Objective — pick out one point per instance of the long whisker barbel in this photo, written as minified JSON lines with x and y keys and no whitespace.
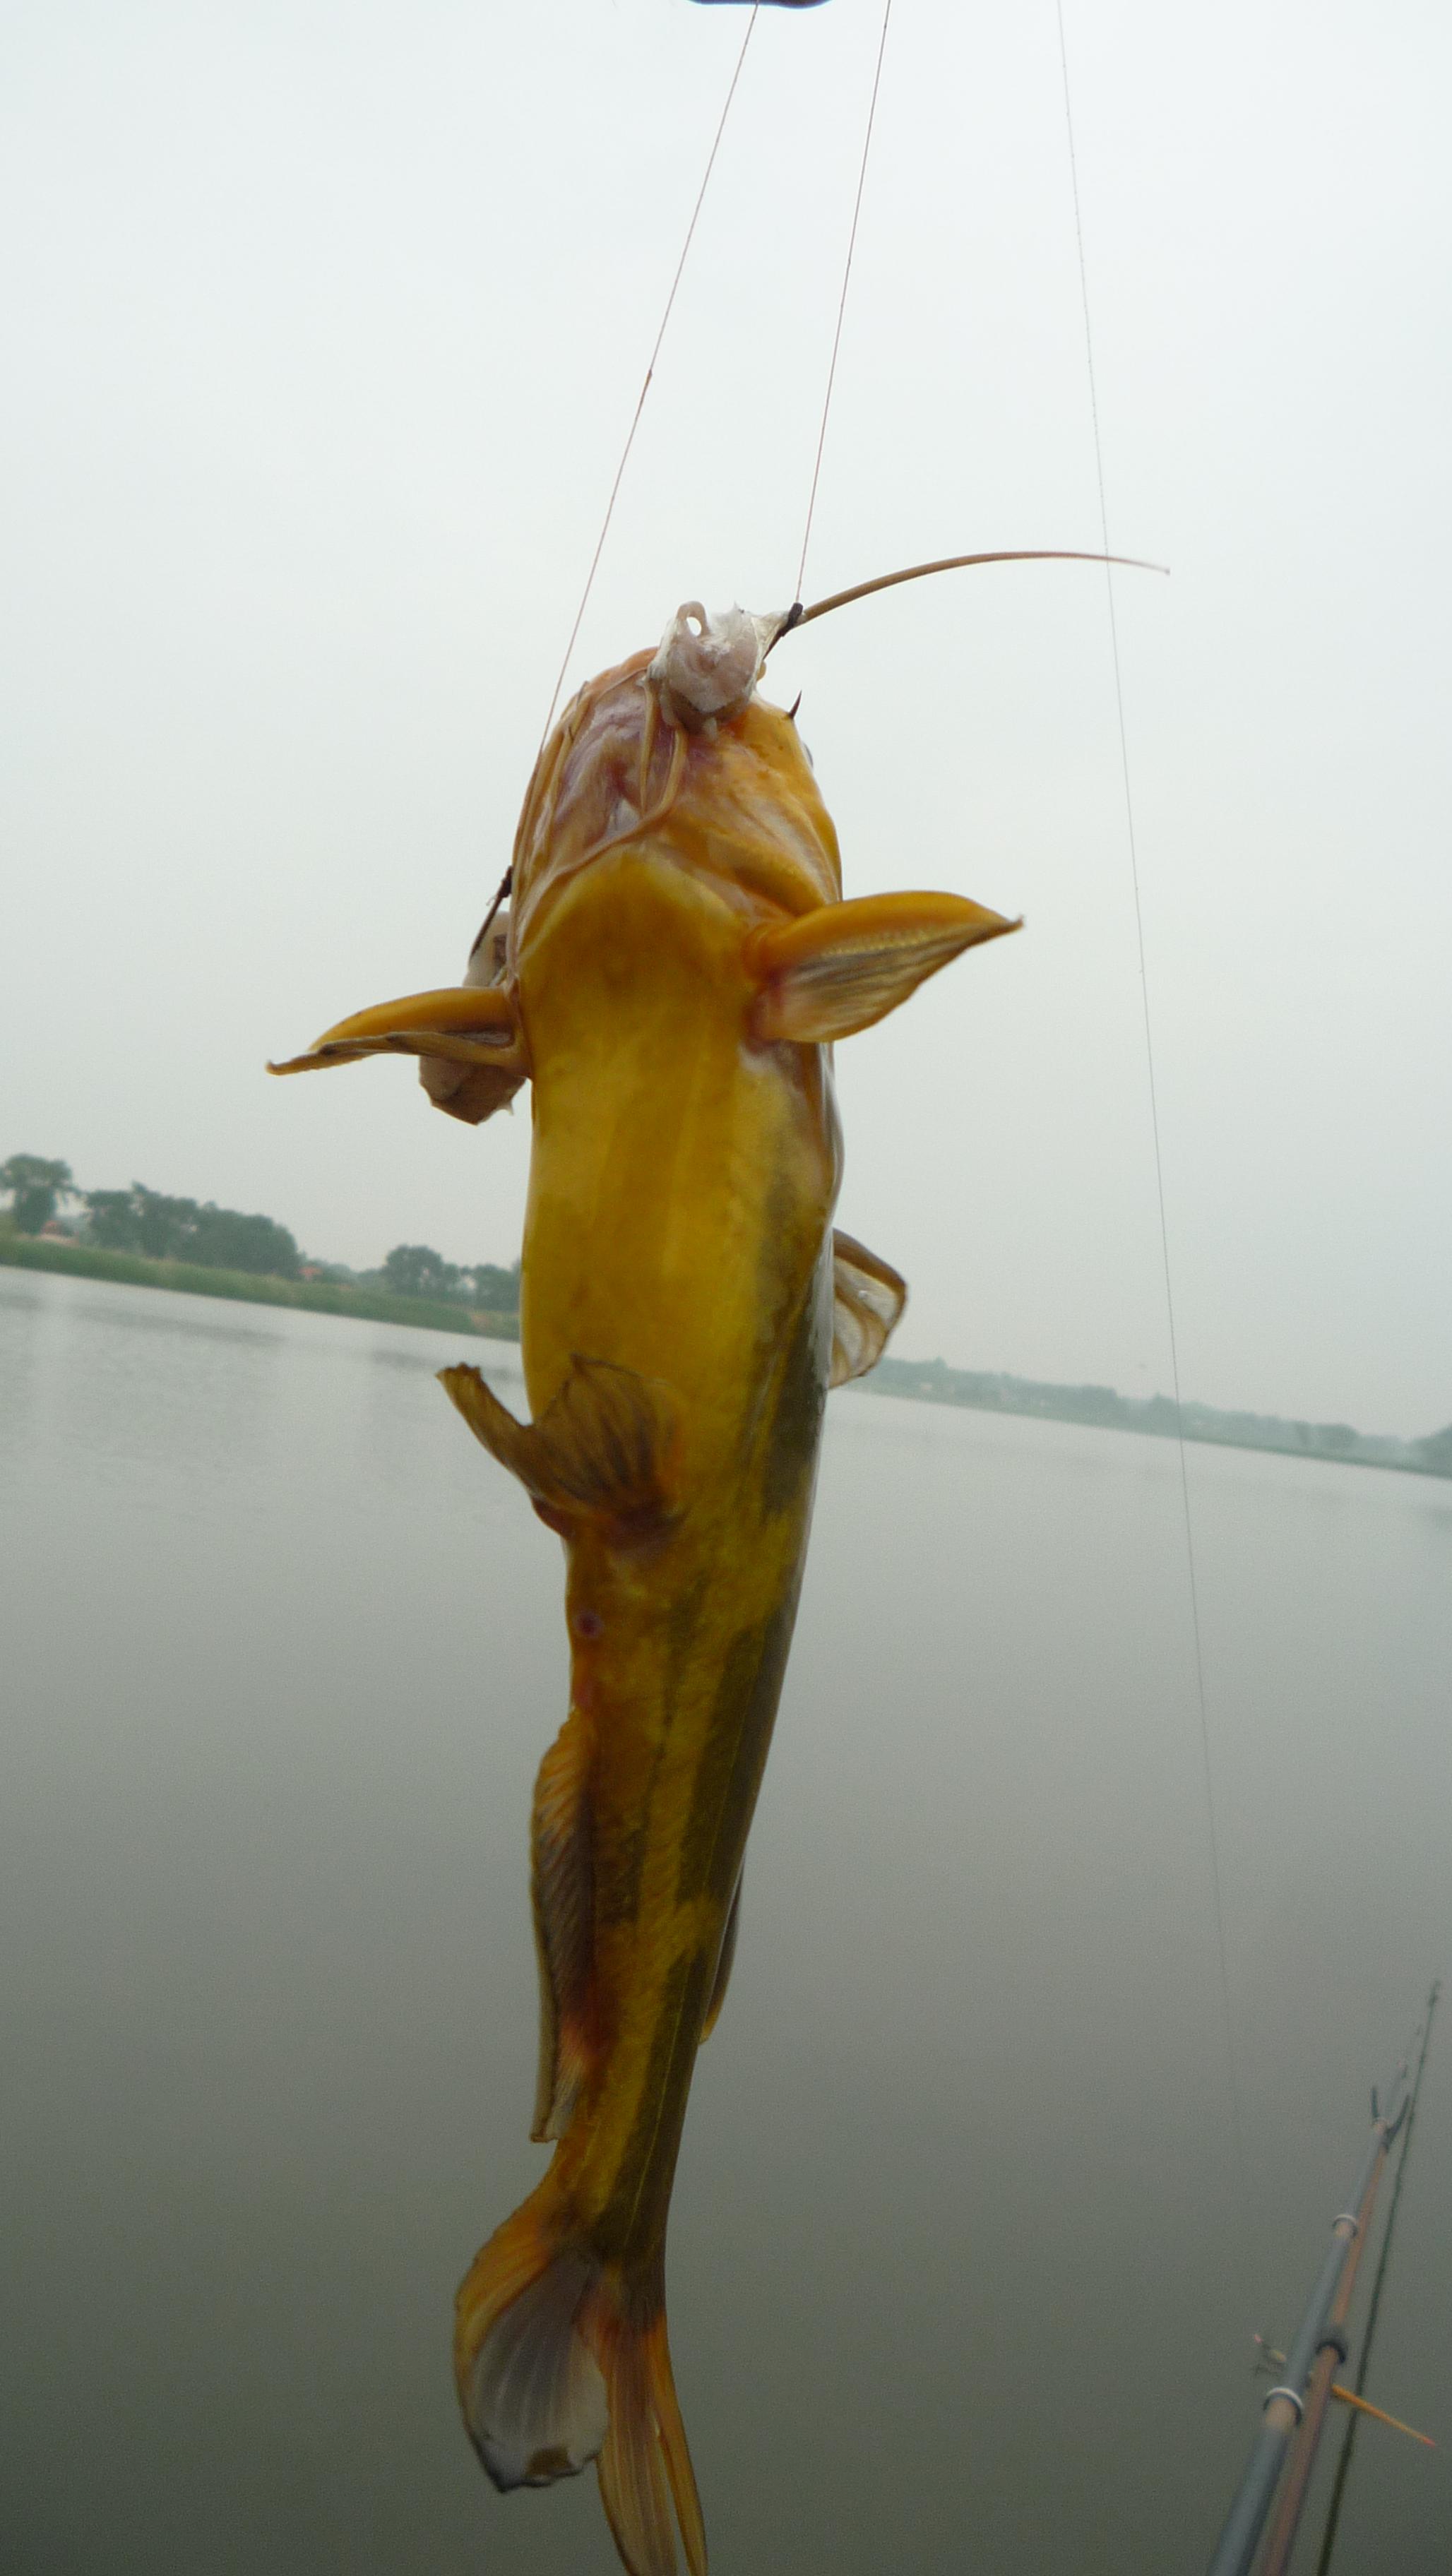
{"x":797,"y":615}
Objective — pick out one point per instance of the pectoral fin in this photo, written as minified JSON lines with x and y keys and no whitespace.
{"x":563,"y":1922}
{"x":461,"y":1024}
{"x":602,"y":1450}
{"x":837,"y":969}
{"x":472,"y":1092}
{"x":867,"y":1302}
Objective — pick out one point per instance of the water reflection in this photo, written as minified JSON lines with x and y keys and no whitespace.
{"x":962,"y":2270}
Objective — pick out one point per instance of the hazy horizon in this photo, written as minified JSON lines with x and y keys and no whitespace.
{"x":325,"y":328}
{"x":312,"y":1254}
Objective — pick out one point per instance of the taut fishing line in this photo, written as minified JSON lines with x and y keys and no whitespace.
{"x":842,"y":299}
{"x":650,"y":371}
{"x":1149,"y":1051}
{"x":841,"y":599}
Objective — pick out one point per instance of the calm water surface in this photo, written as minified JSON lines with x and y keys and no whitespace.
{"x":964,"y":2263}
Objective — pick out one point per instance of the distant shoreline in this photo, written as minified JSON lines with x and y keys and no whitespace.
{"x":314,"y":1296}
{"x":922,"y":1381}
{"x":1099,"y":1408}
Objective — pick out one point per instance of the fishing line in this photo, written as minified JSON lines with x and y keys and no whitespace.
{"x":650,"y":370}
{"x":842,"y":299}
{"x":1149,"y":1050}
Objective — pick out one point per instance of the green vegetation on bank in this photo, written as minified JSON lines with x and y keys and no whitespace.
{"x":314,"y":1296}
{"x":159,"y":1228}
{"x":36,"y":1186}
{"x":220,"y":1252}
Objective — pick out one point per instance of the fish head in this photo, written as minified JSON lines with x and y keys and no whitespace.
{"x":672,"y":758}
{"x":675,"y":754}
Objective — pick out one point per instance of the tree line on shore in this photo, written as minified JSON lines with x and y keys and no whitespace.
{"x":44,"y":1199}
{"x":1100,"y":1407}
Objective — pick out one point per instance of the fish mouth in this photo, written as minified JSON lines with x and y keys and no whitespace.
{"x":706,"y":667}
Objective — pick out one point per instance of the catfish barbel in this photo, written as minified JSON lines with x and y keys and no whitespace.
{"x":676,"y":965}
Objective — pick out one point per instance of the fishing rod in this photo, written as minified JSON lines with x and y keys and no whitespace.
{"x":1343,"y":2465}
{"x":1300,"y":2399}
{"x":1271,"y":2360}
{"x":1331,"y":2352}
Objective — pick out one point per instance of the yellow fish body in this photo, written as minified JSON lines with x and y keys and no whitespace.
{"x":677,"y":963}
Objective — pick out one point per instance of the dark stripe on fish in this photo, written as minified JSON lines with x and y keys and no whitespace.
{"x":734,"y":1756}
{"x":796,"y":1423}
{"x":618,"y":1869}
{"x":643,"y":2181}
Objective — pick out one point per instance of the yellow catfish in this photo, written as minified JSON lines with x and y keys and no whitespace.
{"x":676,"y":963}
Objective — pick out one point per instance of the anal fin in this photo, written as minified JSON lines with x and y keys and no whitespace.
{"x":562,"y":1889}
{"x":602,"y":1450}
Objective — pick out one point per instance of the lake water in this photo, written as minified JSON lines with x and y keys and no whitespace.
{"x":964,"y":2264}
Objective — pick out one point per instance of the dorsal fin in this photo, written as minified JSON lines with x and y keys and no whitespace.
{"x":867,"y":1302}
{"x":601,"y":1450}
{"x":561,"y":1885}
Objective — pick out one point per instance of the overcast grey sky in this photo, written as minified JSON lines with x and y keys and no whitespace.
{"x":323,"y":327}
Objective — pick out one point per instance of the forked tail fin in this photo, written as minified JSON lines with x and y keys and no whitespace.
{"x":561,"y":2358}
